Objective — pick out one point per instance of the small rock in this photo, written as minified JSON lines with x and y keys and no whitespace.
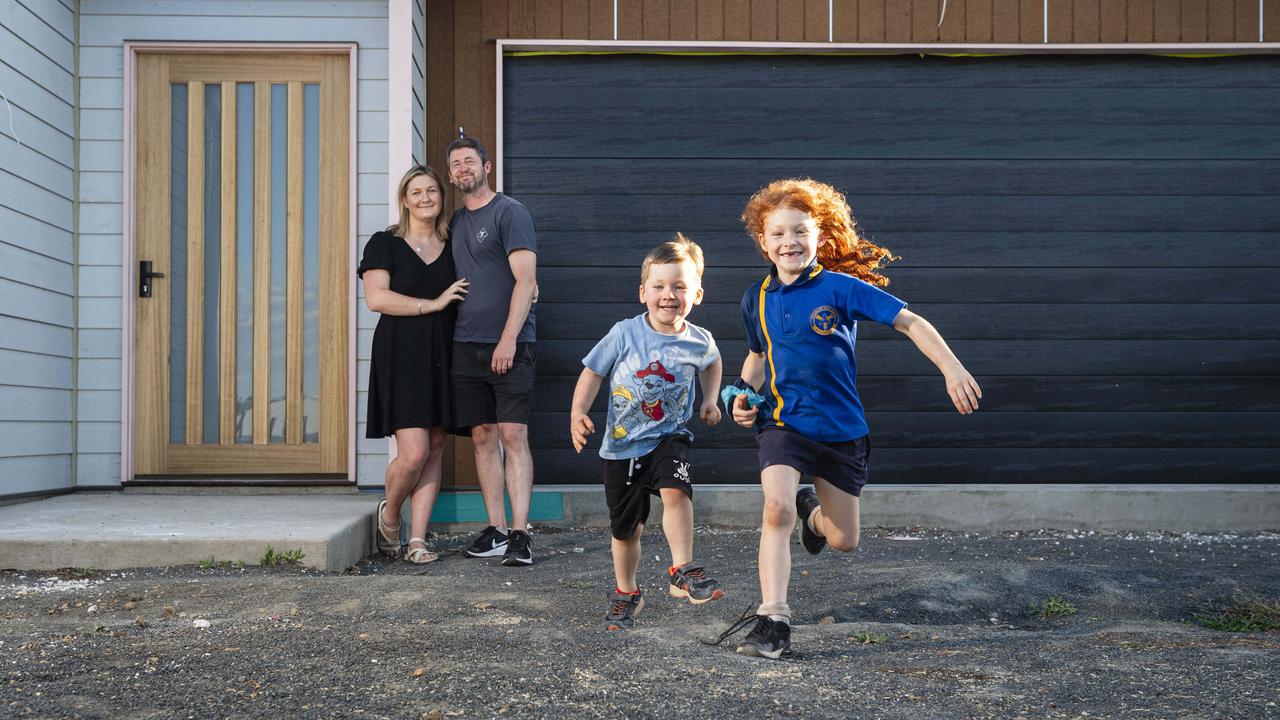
{"x":433,"y":715}
{"x":168,"y":610}
{"x":140,"y":622}
{"x":200,"y":624}
{"x":804,"y":573}
{"x":363,"y":636}
{"x":828,"y":620}
{"x":420,"y":672}
{"x":483,"y":605}
{"x":130,"y":605}
{"x":92,"y":609}
{"x":578,"y":549}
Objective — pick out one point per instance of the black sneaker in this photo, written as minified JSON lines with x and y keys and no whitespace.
{"x":806,"y":501}
{"x":623,"y":609}
{"x":492,"y":542}
{"x":519,"y":549}
{"x":689,"y":581}
{"x":768,"y":639}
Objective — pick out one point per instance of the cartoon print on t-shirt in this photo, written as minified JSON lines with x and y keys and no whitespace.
{"x":626,"y":415}
{"x":659,"y":394}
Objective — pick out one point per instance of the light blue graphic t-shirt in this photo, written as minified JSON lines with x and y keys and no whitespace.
{"x":651,"y":383}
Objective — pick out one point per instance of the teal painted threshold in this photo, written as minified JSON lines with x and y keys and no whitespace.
{"x":468,"y":507}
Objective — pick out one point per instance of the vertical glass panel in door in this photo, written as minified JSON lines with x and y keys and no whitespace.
{"x":310,"y":263}
{"x":244,"y":262}
{"x":177,"y":271}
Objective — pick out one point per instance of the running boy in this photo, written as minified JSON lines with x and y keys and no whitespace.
{"x":650,"y":361}
{"x":801,"y":323}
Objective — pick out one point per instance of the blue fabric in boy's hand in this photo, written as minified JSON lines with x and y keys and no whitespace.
{"x":731,"y":392}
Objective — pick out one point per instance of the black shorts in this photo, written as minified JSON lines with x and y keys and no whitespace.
{"x":843,"y":464}
{"x":483,"y":397}
{"x":629,"y":483}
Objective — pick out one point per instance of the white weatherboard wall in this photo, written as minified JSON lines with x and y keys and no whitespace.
{"x":37,"y":66}
{"x":104,"y":27}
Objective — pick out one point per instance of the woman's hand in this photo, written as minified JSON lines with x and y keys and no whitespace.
{"x":580,"y":427}
{"x":743,"y":413}
{"x":456,"y":292}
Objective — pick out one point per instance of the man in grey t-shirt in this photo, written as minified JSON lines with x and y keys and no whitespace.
{"x":494,"y":247}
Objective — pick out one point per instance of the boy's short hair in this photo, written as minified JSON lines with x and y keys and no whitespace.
{"x":466,"y":141}
{"x":673,"y":251}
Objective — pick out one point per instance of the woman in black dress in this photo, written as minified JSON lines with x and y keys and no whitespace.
{"x":409,"y":278}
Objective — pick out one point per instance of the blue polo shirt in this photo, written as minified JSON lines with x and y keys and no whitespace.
{"x":807,"y":331}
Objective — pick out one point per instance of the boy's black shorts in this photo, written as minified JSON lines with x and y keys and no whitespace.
{"x":629,"y":483}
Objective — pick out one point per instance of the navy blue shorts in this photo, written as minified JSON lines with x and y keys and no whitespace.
{"x":843,"y":464}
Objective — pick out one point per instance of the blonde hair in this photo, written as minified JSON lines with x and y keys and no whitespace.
{"x":841,"y":247}
{"x":678,"y":250}
{"x":442,"y":220}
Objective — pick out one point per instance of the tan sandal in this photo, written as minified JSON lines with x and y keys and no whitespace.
{"x":420,"y":555}
{"x":387,"y":538}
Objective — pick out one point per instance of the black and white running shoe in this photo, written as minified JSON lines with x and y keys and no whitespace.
{"x":623,"y":608}
{"x":806,"y":501}
{"x":491,"y":542}
{"x":768,"y":639}
{"x":690,"y":581}
{"x":519,"y":549}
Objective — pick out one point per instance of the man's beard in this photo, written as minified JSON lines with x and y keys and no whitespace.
{"x":469,"y":186}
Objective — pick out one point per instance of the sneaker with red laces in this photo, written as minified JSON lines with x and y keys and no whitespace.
{"x":691,"y":581}
{"x":623,"y":608}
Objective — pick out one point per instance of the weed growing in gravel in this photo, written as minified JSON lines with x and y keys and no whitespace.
{"x":212,"y":564}
{"x":1243,"y":613}
{"x":1051,"y":608}
{"x":281,"y":557}
{"x":866,"y":637}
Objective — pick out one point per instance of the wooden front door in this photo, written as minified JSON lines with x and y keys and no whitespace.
{"x":242,"y":205}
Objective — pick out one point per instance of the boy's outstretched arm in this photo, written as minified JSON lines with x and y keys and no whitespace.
{"x":580,"y":425}
{"x":961,"y":386}
{"x":709,"y":381}
{"x":753,"y":374}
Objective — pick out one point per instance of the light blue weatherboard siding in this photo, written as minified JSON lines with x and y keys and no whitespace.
{"x":37,"y":62}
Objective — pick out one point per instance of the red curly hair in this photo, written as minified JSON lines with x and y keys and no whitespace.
{"x":840,"y":247}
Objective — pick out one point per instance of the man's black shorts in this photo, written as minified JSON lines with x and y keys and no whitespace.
{"x":843,"y":464}
{"x":629,"y":483}
{"x":483,"y":397}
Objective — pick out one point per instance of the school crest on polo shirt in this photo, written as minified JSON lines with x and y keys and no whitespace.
{"x":823,"y":320}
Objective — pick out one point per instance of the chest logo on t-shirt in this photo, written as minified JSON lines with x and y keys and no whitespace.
{"x":824,"y":320}
{"x":482,"y":235}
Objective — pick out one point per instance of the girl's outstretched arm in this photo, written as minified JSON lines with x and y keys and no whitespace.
{"x":961,"y":386}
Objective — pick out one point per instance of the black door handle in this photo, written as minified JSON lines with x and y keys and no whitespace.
{"x":144,"y":278}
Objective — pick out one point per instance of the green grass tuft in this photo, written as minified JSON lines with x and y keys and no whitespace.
{"x":866,"y":637}
{"x":1242,"y":613}
{"x":1051,"y":608}
{"x":281,"y":557}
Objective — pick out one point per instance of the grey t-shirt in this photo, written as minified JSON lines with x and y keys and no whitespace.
{"x":651,"y":381}
{"x":481,"y":240}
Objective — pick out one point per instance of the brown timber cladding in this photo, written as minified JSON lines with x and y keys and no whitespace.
{"x":461,"y":76}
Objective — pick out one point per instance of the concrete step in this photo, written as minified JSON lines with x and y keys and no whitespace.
{"x":113,"y":530}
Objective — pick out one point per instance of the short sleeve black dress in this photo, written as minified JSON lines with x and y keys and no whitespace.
{"x":409,"y":365}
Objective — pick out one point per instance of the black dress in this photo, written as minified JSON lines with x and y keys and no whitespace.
{"x":409,"y":365}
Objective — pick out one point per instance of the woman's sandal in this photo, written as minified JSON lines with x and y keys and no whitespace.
{"x":420,"y":555}
{"x":387,"y":538}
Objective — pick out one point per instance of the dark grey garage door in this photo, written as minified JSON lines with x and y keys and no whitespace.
{"x":1096,"y":237}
